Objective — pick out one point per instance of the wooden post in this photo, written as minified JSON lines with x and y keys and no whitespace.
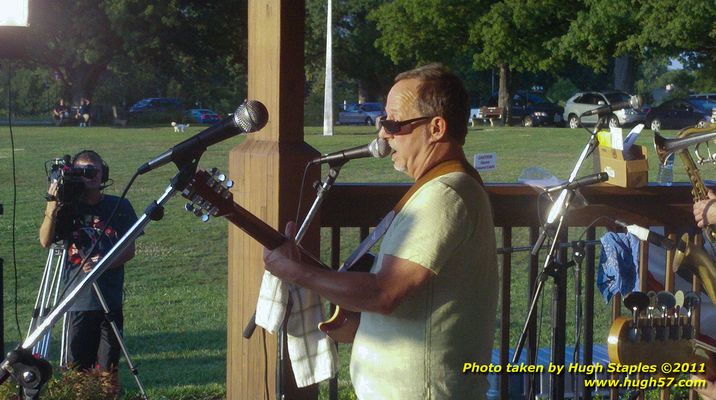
{"x":267,"y":169}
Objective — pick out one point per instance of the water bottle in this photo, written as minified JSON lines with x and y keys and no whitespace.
{"x":666,"y":171}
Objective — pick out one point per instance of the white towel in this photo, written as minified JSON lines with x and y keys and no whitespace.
{"x":313,"y":354}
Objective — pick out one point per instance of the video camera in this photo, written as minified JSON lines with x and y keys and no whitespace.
{"x":69,"y":179}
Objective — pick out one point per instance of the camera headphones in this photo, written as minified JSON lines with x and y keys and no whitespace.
{"x":93,"y":154}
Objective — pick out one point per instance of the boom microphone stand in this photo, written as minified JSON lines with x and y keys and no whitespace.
{"x":552,"y":267}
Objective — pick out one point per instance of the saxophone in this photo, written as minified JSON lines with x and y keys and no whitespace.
{"x":689,"y":255}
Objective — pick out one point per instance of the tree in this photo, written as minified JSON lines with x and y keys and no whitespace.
{"x":599,"y":37}
{"x":685,"y":28}
{"x":188,"y":46}
{"x":72,"y":38}
{"x":358,"y":66}
{"x":508,"y":35}
{"x":515,"y":35}
{"x":195,"y":49}
{"x":416,"y":32}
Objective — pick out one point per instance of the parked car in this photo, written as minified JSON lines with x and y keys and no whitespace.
{"x":364,"y":114}
{"x":585,"y":101}
{"x":157,"y":110}
{"x":156,"y":104}
{"x":680,"y":113}
{"x":202,"y":116}
{"x":705,"y":96}
{"x":531,"y":109}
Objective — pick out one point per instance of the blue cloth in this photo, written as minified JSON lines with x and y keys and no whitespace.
{"x":618,"y":265}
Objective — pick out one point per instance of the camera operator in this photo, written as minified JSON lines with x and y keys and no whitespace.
{"x":81,"y":220}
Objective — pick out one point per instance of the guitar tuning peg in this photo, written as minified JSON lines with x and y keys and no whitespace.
{"x":229,"y":184}
{"x":205,"y":217}
{"x":213,"y":171}
{"x":220,"y":177}
{"x":189,"y":207}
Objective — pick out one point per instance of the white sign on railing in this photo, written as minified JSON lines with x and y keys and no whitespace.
{"x":485,"y":161}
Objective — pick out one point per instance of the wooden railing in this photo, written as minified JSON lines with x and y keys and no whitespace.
{"x":516,"y":206}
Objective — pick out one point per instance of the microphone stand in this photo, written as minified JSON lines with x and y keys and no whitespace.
{"x":32,"y":373}
{"x":335,"y":168}
{"x":553,"y":267}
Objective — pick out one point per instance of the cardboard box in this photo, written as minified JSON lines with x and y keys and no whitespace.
{"x":630,"y":170}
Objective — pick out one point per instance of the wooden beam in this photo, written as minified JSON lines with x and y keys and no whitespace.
{"x":267,"y":168}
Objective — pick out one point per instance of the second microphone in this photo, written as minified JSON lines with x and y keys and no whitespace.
{"x":378,"y":148}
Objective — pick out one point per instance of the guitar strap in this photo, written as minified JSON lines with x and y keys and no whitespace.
{"x":443,"y":168}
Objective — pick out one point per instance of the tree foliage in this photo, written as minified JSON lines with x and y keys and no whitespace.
{"x":599,"y":33}
{"x":520,"y":34}
{"x":123,"y":50}
{"x":185,"y":46}
{"x":685,"y":28}
{"x":360,"y":70}
{"x":421,"y":31}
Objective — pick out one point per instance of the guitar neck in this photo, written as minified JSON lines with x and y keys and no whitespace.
{"x":221,"y":203}
{"x":253,"y":226}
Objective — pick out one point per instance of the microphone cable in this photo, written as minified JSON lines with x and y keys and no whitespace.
{"x":300,"y":191}
{"x":13,"y":228}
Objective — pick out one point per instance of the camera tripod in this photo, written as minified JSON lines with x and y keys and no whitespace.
{"x":47,"y":297}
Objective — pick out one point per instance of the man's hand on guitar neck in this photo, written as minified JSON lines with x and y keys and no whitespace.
{"x":284,"y":262}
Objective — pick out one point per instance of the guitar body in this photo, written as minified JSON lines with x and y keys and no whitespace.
{"x":210,"y":196}
{"x":340,"y":316}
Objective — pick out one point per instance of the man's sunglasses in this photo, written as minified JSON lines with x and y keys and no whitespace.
{"x":394,"y":127}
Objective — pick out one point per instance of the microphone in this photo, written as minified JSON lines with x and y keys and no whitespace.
{"x":249,"y":117}
{"x":378,"y":148}
{"x":579,"y":182}
{"x":645,"y":234}
{"x":633,"y":102}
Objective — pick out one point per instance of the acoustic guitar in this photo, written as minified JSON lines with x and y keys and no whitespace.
{"x":209,"y":196}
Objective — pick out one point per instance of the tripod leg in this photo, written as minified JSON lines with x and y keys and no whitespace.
{"x":50,"y":283}
{"x":118,"y":335}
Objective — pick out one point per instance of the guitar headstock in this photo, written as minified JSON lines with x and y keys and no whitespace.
{"x":208,"y":194}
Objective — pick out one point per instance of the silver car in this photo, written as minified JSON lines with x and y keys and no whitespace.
{"x":362,"y":114}
{"x":585,"y":101}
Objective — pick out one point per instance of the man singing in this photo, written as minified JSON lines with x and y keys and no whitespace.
{"x":428,"y":305}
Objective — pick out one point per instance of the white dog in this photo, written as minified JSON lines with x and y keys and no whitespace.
{"x":179,"y":127}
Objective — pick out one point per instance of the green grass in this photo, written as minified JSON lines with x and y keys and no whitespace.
{"x":175,"y":324}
